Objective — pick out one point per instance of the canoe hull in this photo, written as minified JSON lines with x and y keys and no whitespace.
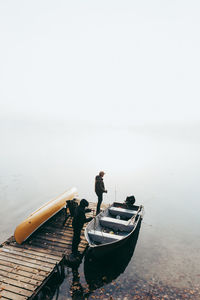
{"x":41,"y":215}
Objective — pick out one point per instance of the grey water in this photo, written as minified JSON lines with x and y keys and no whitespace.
{"x":158,"y":163}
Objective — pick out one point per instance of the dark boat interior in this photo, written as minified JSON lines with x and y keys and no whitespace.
{"x":112,"y":224}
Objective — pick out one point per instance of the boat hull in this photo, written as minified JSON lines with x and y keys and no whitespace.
{"x":99,"y":272}
{"x":107,"y":249}
{"x":98,"y":251}
{"x":41,"y":215}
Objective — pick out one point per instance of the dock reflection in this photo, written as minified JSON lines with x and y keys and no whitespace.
{"x":101,"y":272}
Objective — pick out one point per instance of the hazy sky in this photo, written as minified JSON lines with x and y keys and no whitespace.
{"x":92,"y":85}
{"x":110,"y":61}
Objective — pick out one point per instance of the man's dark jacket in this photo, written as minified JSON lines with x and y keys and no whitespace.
{"x":99,"y":185}
{"x":80,"y":218}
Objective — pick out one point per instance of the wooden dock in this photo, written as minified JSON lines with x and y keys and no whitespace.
{"x":25,"y":269}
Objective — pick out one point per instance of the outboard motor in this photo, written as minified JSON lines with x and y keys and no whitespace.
{"x":130,"y":200}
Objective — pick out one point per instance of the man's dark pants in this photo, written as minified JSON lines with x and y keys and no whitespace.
{"x":76,"y":240}
{"x":100,"y":199}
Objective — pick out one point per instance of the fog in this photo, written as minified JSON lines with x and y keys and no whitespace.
{"x":106,"y":85}
{"x":98,"y":85}
{"x":106,"y":61}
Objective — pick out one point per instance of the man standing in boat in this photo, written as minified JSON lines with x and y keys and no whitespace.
{"x":78,"y":222}
{"x":99,"y":190}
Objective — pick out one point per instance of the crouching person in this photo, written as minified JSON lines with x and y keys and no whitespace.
{"x":78,"y":222}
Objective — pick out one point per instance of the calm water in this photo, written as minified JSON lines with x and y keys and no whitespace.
{"x":158,"y":164}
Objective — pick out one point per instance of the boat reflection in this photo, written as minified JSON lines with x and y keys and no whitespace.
{"x":101,"y":272}
{"x":76,"y":289}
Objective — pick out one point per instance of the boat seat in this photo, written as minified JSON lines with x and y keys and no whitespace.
{"x":116,"y":224}
{"x":122,"y":212}
{"x":103,"y":237}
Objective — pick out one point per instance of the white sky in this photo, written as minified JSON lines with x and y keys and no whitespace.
{"x":115,"y":61}
{"x":112,"y":85}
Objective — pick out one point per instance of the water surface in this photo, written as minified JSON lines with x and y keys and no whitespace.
{"x":158,"y":164}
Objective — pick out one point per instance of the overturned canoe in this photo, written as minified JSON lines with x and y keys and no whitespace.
{"x":42,"y":214}
{"x":112,"y":228}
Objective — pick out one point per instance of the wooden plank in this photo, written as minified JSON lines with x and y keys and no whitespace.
{"x":59,"y":222}
{"x":57,"y":238}
{"x":63,"y":231}
{"x":56,"y":226}
{"x":9,"y":295}
{"x":34,"y":254}
{"x":58,"y":233}
{"x":65,"y":241}
{"x":53,"y":241}
{"x":19,"y":266}
{"x":54,"y":248}
{"x":25,"y":274}
{"x":40,"y":251}
{"x":62,"y":240}
{"x":24,"y":261}
{"x":55,"y":231}
{"x":17,"y":283}
{"x":24,"y":267}
{"x":47,"y":247}
{"x":16,"y":290}
{"x":53,"y":245}
{"x":9,"y":274}
{"x":27,"y":257}
{"x":57,"y":243}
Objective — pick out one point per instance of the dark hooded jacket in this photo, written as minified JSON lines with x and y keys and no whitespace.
{"x":99,"y":185}
{"x":79,"y":215}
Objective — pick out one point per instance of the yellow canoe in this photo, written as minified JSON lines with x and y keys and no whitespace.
{"x":42,"y":214}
